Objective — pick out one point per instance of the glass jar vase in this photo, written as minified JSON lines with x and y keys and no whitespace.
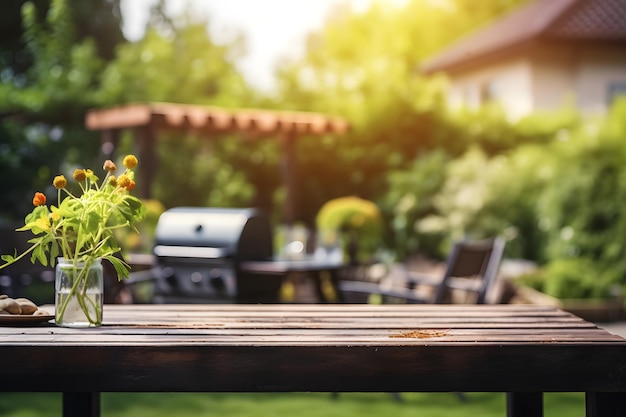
{"x":78,"y":293}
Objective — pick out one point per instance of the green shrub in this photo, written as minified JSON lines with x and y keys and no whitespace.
{"x":410,"y":199}
{"x":582,"y":208}
{"x":575,"y":278}
{"x":357,"y":219}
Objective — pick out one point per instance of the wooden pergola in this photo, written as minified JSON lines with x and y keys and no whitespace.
{"x":148,"y":120}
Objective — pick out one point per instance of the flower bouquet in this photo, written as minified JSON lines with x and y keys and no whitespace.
{"x":80,"y":233}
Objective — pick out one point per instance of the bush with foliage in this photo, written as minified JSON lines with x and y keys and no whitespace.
{"x":409,"y":203}
{"x":357,"y":220}
{"x":582,"y":208}
{"x":560,"y":203}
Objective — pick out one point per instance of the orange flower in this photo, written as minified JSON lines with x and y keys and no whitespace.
{"x":80,"y":175}
{"x":39,"y":199}
{"x":59,"y":182}
{"x":130,"y":161}
{"x":131,"y":185}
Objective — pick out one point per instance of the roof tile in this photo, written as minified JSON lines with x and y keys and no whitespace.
{"x":555,"y":19}
{"x":592,"y":19}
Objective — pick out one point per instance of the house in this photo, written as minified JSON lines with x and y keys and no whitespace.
{"x":540,"y":56}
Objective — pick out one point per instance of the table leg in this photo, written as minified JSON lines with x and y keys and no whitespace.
{"x":605,"y":404}
{"x":81,"y":404}
{"x":524,"y":404}
{"x":318,"y":279}
{"x":334,"y":281}
{"x":332,"y":278}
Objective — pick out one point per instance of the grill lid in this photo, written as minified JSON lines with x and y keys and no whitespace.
{"x":200,"y":232}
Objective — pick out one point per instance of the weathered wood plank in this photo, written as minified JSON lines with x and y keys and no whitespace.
{"x":201,"y":334}
{"x":297,"y":347}
{"x":268,"y":367}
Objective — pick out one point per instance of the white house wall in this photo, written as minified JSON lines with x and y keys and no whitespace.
{"x":543,"y":78}
{"x":509,"y":82}
{"x":599,"y":69}
{"x":554,"y":73}
{"x":579,"y":75}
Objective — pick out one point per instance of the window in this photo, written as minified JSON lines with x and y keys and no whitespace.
{"x":616,"y":90}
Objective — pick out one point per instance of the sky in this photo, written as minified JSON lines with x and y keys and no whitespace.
{"x":273,"y":28}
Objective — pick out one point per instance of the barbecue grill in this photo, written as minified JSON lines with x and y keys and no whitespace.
{"x":199,"y":251}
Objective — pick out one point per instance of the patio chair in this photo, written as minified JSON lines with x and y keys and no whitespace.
{"x":471,"y":270}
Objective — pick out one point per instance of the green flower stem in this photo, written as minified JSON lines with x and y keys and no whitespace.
{"x":23,"y":254}
{"x":80,"y":276}
{"x":82,"y":296}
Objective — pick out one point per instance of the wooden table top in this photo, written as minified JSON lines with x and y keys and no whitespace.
{"x":310,"y":347}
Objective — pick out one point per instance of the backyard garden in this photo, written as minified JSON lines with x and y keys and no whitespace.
{"x":553,"y":184}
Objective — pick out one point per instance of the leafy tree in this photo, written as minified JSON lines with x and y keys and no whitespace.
{"x":49,"y":72}
{"x":45,"y":104}
{"x":364,"y":67}
{"x":177,"y":61}
{"x":185,"y":66}
{"x":14,"y":57}
{"x":96,"y":19}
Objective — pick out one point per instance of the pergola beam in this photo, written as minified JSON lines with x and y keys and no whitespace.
{"x":147,"y":119}
{"x":205,"y":118}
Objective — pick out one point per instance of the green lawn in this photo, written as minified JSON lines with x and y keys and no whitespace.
{"x":288,"y":404}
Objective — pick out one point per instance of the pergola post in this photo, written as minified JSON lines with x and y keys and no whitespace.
{"x":289,"y":174}
{"x":146,"y":153}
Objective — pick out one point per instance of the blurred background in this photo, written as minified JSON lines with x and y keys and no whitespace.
{"x":498,"y":117}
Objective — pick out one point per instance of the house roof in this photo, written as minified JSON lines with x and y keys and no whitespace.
{"x":603,"y":20}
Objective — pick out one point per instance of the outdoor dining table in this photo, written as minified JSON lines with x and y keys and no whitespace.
{"x":523,"y":350}
{"x":315,"y":268}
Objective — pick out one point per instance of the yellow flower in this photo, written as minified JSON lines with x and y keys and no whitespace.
{"x":80,"y":175}
{"x":113,"y":181}
{"x":123,"y":181}
{"x":130,"y":161}
{"x":59,"y":182}
{"x":39,"y":199}
{"x":90,"y":175}
{"x":109,"y":165}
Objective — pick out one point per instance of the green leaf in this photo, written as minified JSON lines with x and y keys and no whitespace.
{"x":8,"y":258}
{"x":39,"y":255}
{"x":54,"y":251}
{"x":94,"y":221}
{"x":121,"y":268}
